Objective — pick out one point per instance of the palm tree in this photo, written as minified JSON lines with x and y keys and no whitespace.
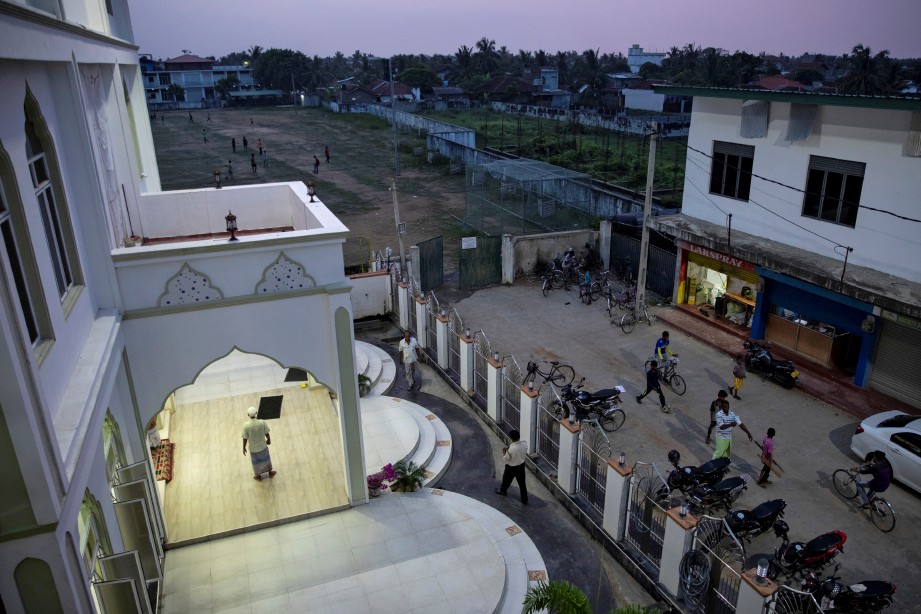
{"x":254,"y":52}
{"x":867,"y":74}
{"x":175,"y":92}
{"x":464,"y":59}
{"x":486,"y":54}
{"x":557,"y":597}
{"x":592,"y":73}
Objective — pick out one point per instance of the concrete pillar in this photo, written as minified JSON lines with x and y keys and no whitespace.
{"x":421,"y":322}
{"x":605,"y":235}
{"x":675,"y":543}
{"x":493,"y":387}
{"x":528,"y":427}
{"x":442,"y":338}
{"x":616,"y":496}
{"x":466,"y":363}
{"x":508,"y":260}
{"x":753,"y":597}
{"x":404,"y":300}
{"x":566,"y":463}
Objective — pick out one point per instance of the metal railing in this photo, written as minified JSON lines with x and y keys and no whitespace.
{"x":548,"y":427}
{"x":786,"y":600}
{"x":455,"y":331}
{"x":645,"y":516}
{"x":413,"y":293}
{"x":592,"y":468}
{"x":481,"y":354}
{"x":713,"y":537}
{"x":431,"y":326}
{"x":510,"y":403}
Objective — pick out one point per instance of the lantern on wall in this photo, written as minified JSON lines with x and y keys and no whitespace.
{"x":231,"y":220}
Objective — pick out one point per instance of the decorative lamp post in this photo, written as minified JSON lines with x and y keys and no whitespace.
{"x":311,"y":190}
{"x":622,"y":459}
{"x":217,"y":178}
{"x":231,"y":220}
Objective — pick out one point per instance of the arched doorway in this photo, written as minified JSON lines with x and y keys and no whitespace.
{"x":204,"y":481}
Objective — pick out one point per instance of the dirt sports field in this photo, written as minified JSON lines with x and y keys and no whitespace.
{"x":354,"y":184}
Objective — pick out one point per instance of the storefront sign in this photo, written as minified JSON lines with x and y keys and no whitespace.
{"x":897,"y":317}
{"x":719,"y":257}
{"x":468,"y":242}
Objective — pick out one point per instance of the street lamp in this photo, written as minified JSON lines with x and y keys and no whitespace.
{"x":311,"y":190}
{"x":231,"y":220}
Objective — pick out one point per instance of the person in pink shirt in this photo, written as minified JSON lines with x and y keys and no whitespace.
{"x":767,"y":457}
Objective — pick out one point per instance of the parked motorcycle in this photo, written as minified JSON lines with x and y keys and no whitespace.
{"x":687,"y":478}
{"x":797,"y":558}
{"x":749,"y":524}
{"x":721,"y":496}
{"x":759,"y":360}
{"x":578,"y":404}
{"x":861,"y":598}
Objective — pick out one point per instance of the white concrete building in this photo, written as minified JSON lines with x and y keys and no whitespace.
{"x":114,"y":294}
{"x":808,"y":201}
{"x":637,"y":56}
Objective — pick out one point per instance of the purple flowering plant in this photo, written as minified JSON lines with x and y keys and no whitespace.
{"x":379,"y":480}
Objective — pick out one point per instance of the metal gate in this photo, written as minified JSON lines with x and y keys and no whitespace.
{"x":718,"y":591}
{"x":645,"y":516}
{"x":481,"y":353}
{"x":592,"y":467}
{"x":480,"y":261}
{"x":431,"y":263}
{"x":548,"y":427}
{"x":413,"y":293}
{"x":660,"y":272}
{"x":432,"y":309}
{"x":510,"y":407}
{"x":455,"y":330}
{"x":892,"y":373}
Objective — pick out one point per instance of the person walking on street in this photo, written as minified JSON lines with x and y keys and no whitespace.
{"x":767,"y":458}
{"x":245,"y":144}
{"x":191,"y":121}
{"x":259,"y":146}
{"x":652,"y":383}
{"x":725,"y":422}
{"x":316,"y":165}
{"x":738,"y":375}
{"x":204,"y":134}
{"x":514,"y":456}
{"x":251,"y":122}
{"x":230,"y":169}
{"x":265,"y":158}
{"x":410,"y":352}
{"x":326,"y":150}
{"x":233,"y":144}
{"x":209,"y":118}
{"x":715,"y":407}
{"x":256,"y":434}
{"x":252,"y":162}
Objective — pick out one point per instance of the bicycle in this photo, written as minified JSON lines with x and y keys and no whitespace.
{"x":639,"y":314}
{"x":621,"y":300}
{"x":668,"y":373}
{"x":558,"y":374}
{"x":881,"y":512}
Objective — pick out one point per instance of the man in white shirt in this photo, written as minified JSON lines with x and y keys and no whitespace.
{"x":256,"y":435}
{"x":514,"y":456}
{"x":725,"y":422}
{"x":409,"y":353}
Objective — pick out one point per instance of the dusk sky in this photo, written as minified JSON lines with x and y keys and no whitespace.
{"x":217,"y":27}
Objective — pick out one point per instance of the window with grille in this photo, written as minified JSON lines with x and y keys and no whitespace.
{"x":731,"y":171}
{"x":833,"y":190}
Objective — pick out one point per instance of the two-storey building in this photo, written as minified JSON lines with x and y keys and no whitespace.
{"x":801,"y":223}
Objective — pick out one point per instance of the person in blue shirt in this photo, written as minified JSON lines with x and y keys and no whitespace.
{"x":662,"y":348}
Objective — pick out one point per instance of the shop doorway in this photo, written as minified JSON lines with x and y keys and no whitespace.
{"x":204,"y":482}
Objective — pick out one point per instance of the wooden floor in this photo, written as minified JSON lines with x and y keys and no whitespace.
{"x":213,"y":490}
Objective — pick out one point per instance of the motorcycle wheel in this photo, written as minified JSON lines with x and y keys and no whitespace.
{"x":613,"y":420}
{"x":787,"y":382}
{"x":677,"y":384}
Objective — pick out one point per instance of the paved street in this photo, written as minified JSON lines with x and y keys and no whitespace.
{"x":812,"y":439}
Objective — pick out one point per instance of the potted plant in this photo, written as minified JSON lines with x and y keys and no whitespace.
{"x":377,"y":482}
{"x":364,"y":384}
{"x":409,"y":476}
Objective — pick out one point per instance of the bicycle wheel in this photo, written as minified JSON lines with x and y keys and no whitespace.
{"x":596,"y":290}
{"x":564,"y":374}
{"x":845,"y":483}
{"x":585,"y":294}
{"x":613,"y":421}
{"x":676,"y":382}
{"x":556,"y":279}
{"x":628,"y":322}
{"x":882,"y":515}
{"x":546,"y":287}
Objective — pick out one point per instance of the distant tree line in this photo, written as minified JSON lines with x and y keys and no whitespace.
{"x":859,"y":72}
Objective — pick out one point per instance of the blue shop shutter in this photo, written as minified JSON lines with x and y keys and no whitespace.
{"x":812,"y":306}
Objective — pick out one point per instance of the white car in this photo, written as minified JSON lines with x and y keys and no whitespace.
{"x":898,"y":435}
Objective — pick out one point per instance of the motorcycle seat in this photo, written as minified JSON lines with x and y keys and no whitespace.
{"x":768,"y":509}
{"x":873,"y":588}
{"x":728,"y":485}
{"x":823,"y":544}
{"x":781,"y":364}
{"x":606,"y":393}
{"x":714,"y":466}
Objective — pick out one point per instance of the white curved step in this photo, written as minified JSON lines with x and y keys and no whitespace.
{"x":381,"y":369}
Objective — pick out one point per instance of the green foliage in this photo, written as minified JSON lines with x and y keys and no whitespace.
{"x":274,"y":68}
{"x":419,"y":76}
{"x":557,"y":597}
{"x":807,"y":76}
{"x":175,"y":92}
{"x":226,"y":85}
{"x":409,"y":476}
{"x":868,"y":74}
{"x":364,"y":384}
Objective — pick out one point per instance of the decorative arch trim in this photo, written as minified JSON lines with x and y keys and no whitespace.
{"x":284,"y":275}
{"x":189,"y":287}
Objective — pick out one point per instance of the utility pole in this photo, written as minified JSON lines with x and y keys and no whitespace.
{"x":393,"y":116}
{"x":647,"y":211}
{"x":396,"y":217}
